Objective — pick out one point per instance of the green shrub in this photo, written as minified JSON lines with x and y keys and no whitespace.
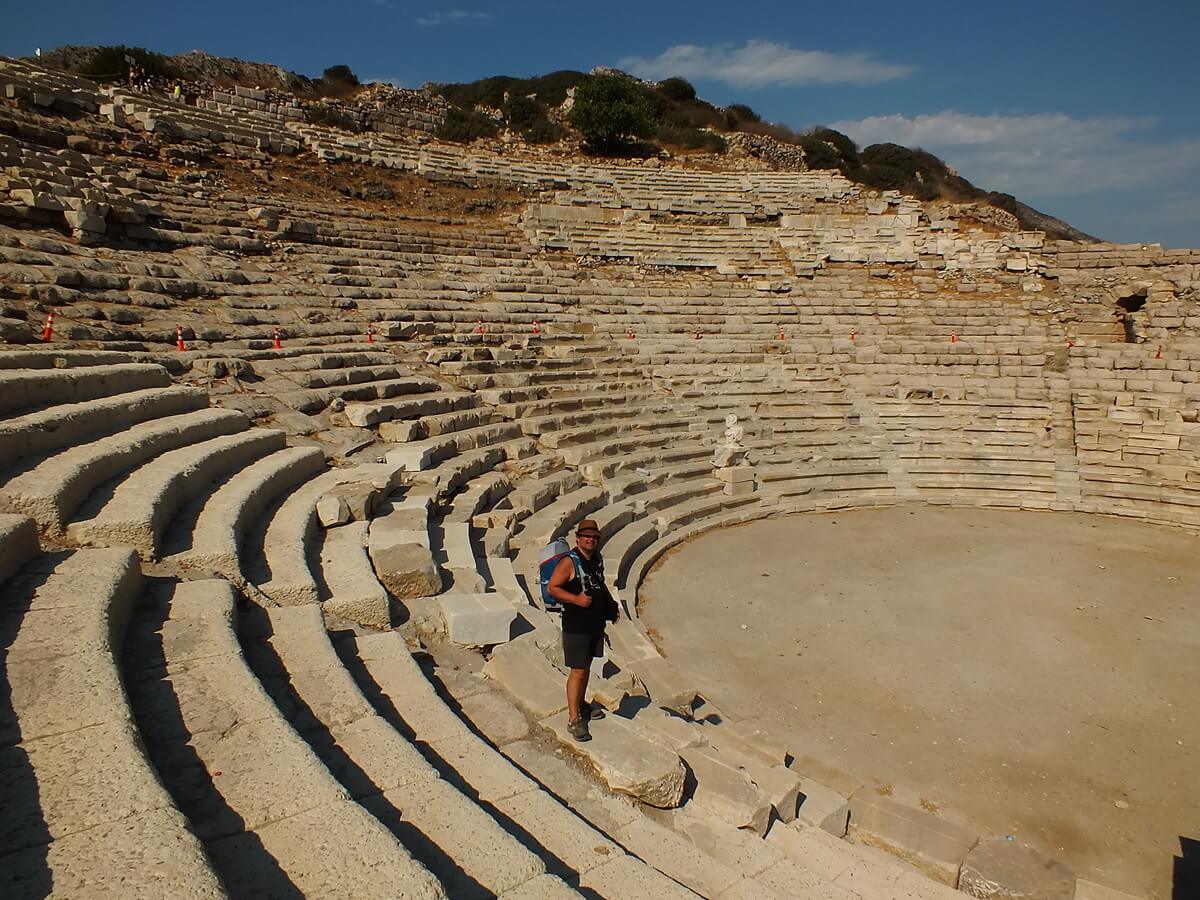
{"x":677,"y":90}
{"x":465,"y":125}
{"x":611,"y":109}
{"x":691,"y":138}
{"x":739,"y":113}
{"x":342,"y":74}
{"x":331,"y":117}
{"x":550,"y":90}
{"x":543,"y":131}
{"x":522,"y":112}
{"x":109,"y":63}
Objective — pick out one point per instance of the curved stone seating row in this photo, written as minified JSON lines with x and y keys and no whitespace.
{"x":162,"y":115}
{"x":45,"y":87}
{"x":84,"y":809}
{"x":254,"y":792}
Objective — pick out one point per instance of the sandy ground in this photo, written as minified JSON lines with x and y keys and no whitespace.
{"x":1033,"y":674}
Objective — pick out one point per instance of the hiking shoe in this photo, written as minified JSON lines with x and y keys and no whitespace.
{"x":579,"y":730}
{"x":587,"y":712}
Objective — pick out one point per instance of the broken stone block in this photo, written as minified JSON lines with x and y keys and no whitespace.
{"x":402,"y":431}
{"x":629,"y":762}
{"x":360,"y":497}
{"x":528,"y":676}
{"x":478,"y":620}
{"x":998,"y":869}
{"x":664,"y":683}
{"x":932,"y":844}
{"x":407,"y":570}
{"x":781,"y":786}
{"x":332,"y":511}
{"x":726,"y":791}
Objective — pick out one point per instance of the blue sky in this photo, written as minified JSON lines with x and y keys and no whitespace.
{"x":1086,"y":110}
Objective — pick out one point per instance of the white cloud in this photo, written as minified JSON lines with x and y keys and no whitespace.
{"x":762,"y":63}
{"x":453,"y":17}
{"x":1047,"y":154}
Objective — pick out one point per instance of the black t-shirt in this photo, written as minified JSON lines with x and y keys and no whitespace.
{"x":589,"y":619}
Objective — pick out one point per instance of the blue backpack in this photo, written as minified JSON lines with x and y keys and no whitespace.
{"x":548,"y":559}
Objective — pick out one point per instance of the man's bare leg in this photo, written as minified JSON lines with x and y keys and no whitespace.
{"x":577,"y":683}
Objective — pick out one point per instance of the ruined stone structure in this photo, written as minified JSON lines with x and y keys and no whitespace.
{"x":264,"y":429}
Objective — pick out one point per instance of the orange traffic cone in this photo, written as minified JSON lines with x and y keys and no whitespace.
{"x":537,"y":329}
{"x":48,"y":331}
{"x":629,"y":332}
{"x":370,"y":332}
{"x":276,"y":340}
{"x":1158,"y":355}
{"x":954,"y":337}
{"x":479,"y":327}
{"x":854,"y":334}
{"x":781,"y":332}
{"x":179,"y":338}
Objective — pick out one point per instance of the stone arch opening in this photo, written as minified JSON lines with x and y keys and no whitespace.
{"x":1129,"y":307}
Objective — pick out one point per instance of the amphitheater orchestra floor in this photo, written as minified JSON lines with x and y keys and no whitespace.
{"x":1034,"y":674}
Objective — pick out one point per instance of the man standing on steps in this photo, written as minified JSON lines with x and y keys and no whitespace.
{"x":578,"y":583}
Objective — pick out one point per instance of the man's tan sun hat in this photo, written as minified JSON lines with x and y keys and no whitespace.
{"x":589,"y":527}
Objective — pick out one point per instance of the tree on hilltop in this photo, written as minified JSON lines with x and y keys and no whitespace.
{"x":609,"y":110}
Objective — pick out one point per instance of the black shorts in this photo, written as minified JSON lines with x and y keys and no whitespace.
{"x":580,"y":649}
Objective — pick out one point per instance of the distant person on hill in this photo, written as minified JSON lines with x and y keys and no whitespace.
{"x":578,"y":584}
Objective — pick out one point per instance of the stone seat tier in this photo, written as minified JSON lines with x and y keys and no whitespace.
{"x":555,"y":520}
{"x":450,"y":476}
{"x":23,"y":390}
{"x":571,"y":847}
{"x":138,"y":508}
{"x":385,"y":771}
{"x":253,"y":791}
{"x":84,"y":809}
{"x":360,"y":394}
{"x":353,"y":591}
{"x":54,"y":489}
{"x":51,"y":429}
{"x":511,"y":401}
{"x":230,"y":512}
{"x":417,"y":455}
{"x":281,"y":570}
{"x":427,"y":400}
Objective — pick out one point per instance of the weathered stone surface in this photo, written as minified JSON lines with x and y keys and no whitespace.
{"x":629,"y":762}
{"x":726,"y":791}
{"x":524,"y":671}
{"x":406,"y":570}
{"x":930,"y":843}
{"x":998,"y":869}
{"x":478,"y":620}
{"x":332,"y":511}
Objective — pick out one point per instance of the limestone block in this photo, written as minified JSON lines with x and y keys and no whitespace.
{"x":930,"y":843}
{"x":402,"y":431}
{"x":726,"y":791}
{"x":361,"y":499}
{"x":412,"y":459}
{"x":628,"y":762}
{"x":525,"y":673}
{"x":998,"y":869}
{"x":823,"y":807}
{"x":734,"y":474}
{"x":665,"y":684}
{"x":332,"y":511}
{"x":478,"y":620}
{"x":781,"y":786}
{"x":674,"y":731}
{"x":407,"y":570}
{"x":18,"y":543}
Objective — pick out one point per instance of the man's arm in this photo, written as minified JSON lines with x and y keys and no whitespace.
{"x":564,"y":572}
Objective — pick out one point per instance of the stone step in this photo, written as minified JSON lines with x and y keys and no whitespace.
{"x":431,"y":402}
{"x":235,"y":508}
{"x":54,"y":489}
{"x":142,"y":504}
{"x":23,"y":390}
{"x":84,"y":809}
{"x":18,"y":543}
{"x":76,"y":423}
{"x":283,"y":572}
{"x":383,"y":769}
{"x":354,"y":590}
{"x":252,"y":789}
{"x":555,"y":520}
